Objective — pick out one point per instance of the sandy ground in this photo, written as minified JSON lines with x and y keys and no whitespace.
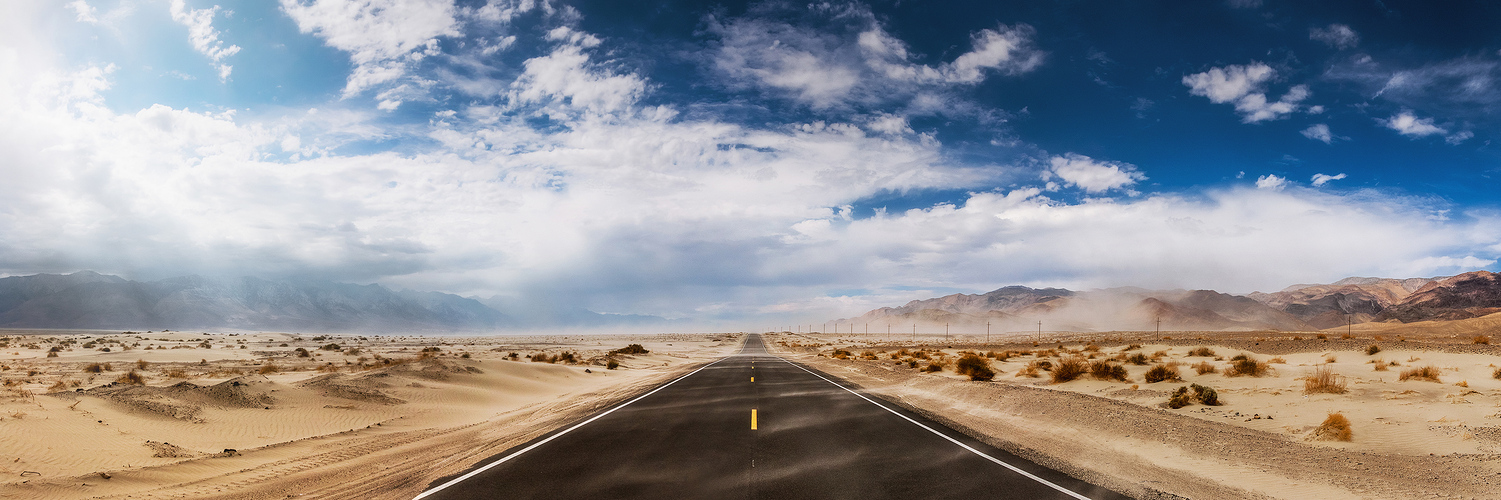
{"x":1410,"y":439}
{"x":248,"y":416}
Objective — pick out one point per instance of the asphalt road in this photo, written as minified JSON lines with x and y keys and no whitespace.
{"x":812,"y":438}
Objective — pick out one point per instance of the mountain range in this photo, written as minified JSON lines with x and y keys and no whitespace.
{"x":1298,"y":307}
{"x":86,"y":300}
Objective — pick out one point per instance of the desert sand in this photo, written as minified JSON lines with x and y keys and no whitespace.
{"x":198,"y":415}
{"x":1414,"y":438}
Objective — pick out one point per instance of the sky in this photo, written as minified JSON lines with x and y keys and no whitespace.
{"x":746,"y":163}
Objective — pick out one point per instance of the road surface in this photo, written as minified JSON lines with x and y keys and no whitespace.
{"x":754,"y":426}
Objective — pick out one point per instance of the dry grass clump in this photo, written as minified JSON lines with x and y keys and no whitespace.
{"x":1104,"y":370}
{"x":1427,"y":373}
{"x":268,"y":368}
{"x":1137,"y":359}
{"x":1132,"y":347}
{"x":1204,"y":367}
{"x":1481,"y":339}
{"x":933,"y":367}
{"x":133,"y":378}
{"x":841,"y":354}
{"x":1372,"y":349}
{"x":1069,"y":368}
{"x":976,"y":367}
{"x":1243,"y":365}
{"x":1334,"y":428}
{"x":1162,"y":373}
{"x":1380,"y":365}
{"x":1276,"y":361}
{"x":1496,"y":374}
{"x":635,"y":349}
{"x":1201,"y":352}
{"x":1324,"y":380}
{"x":1031,"y":370}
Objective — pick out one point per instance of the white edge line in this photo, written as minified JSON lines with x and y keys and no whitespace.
{"x":945,"y":436}
{"x":555,"y":436}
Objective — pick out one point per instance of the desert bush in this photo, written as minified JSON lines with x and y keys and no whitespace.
{"x":566,"y":357}
{"x":632,"y":349}
{"x":1206,"y":395}
{"x":335,"y":347}
{"x":1031,"y":370}
{"x":1496,"y":374}
{"x":1203,"y":367}
{"x":541,"y":358}
{"x":841,"y":354}
{"x":1322,"y":336}
{"x":1481,"y":339}
{"x":1427,"y":373}
{"x":1179,"y":398}
{"x":268,"y":368}
{"x":1334,"y":428}
{"x":1092,"y":348}
{"x":1324,"y":380}
{"x":1132,"y":347}
{"x":1201,"y":351}
{"x":1104,"y":370}
{"x":1137,"y":359}
{"x":977,"y":368}
{"x":302,"y":353}
{"x":94,"y":368}
{"x":1372,"y":349}
{"x":1380,"y":365}
{"x":611,"y":364}
{"x":932,"y":368}
{"x":59,"y":386}
{"x":132,"y":377}
{"x":1243,"y":365}
{"x":1162,"y":373}
{"x":1069,"y":368}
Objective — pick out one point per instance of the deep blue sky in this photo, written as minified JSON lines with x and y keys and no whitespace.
{"x":734,"y":161}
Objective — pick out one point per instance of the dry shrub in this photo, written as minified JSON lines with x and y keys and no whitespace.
{"x":1243,"y":365}
{"x":1137,"y":359}
{"x":1427,"y":373}
{"x":141,"y":364}
{"x":1162,"y":373}
{"x":1496,"y":374}
{"x":1276,"y":361}
{"x":932,"y":367}
{"x":977,"y":368}
{"x":1334,"y":428}
{"x":1380,"y":365}
{"x":1132,"y":347}
{"x":612,"y":364}
{"x":1322,"y":336}
{"x":1202,"y":352}
{"x":841,"y":354}
{"x":1346,"y":336}
{"x":1104,"y":370}
{"x":1463,"y":383}
{"x":1069,"y":368}
{"x":1481,"y":339}
{"x":1324,"y":380}
{"x":1331,"y":358}
{"x":132,"y":377}
{"x":268,"y":368}
{"x":94,"y":368}
{"x":1204,"y":367}
{"x":1372,"y":349}
{"x":1185,"y":396}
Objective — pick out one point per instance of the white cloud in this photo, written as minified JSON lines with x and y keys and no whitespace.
{"x":84,"y":11}
{"x":1319,"y":132}
{"x":1271,"y":182}
{"x":202,"y":35}
{"x":826,"y":68}
{"x":1410,"y":125}
{"x":1458,"y":137}
{"x":1319,"y":180}
{"x":1245,"y":87}
{"x":1336,"y":35}
{"x":1092,"y":175}
{"x":383,"y":37}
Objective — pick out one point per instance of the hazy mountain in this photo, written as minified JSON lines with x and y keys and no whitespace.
{"x":1018,"y":308}
{"x":91,"y":300}
{"x":1349,"y":299}
{"x":538,"y":313}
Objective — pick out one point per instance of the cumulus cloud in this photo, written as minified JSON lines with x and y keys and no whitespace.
{"x":85,"y":12}
{"x":1271,"y":182}
{"x":1335,"y":35}
{"x":1245,"y":87}
{"x":1319,"y":180}
{"x":836,"y":56}
{"x":1410,"y":125}
{"x":1091,"y":175}
{"x":384,"y":38}
{"x":1318,"y":132}
{"x":201,"y":34}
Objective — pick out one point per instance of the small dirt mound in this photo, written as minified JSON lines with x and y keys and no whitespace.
{"x":432,"y":369}
{"x":344,"y":387}
{"x":169,"y":450}
{"x":146,"y":399}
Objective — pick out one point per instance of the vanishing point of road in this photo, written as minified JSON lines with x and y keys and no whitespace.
{"x":754,"y":426}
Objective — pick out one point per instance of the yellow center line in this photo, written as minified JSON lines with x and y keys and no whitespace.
{"x":753,"y":419}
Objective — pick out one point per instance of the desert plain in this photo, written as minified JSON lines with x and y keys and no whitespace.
{"x":167,"y":414}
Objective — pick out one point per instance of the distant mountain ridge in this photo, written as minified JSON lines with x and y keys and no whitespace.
{"x":1298,"y":307}
{"x":89,"y":300}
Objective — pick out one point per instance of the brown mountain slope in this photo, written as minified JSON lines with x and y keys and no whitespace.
{"x":1357,"y":299}
{"x":1469,"y":295}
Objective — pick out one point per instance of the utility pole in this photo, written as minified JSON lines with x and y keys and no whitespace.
{"x":1159,"y":327}
{"x":914,"y":332}
{"x":945,"y":332}
{"x":987,"y":333}
{"x":888,"y":331}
